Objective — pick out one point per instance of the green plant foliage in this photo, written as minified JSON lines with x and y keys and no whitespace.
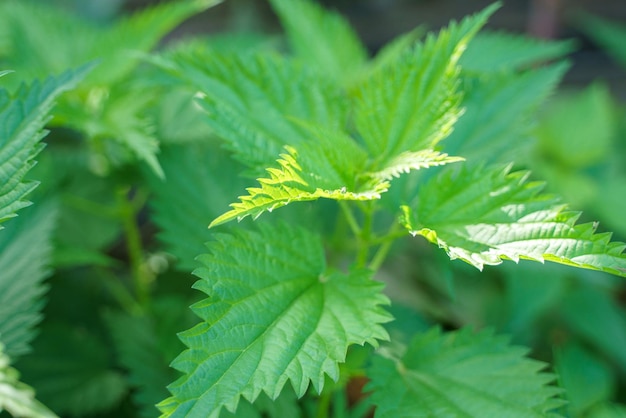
{"x":321,"y":38}
{"x":288,"y":311}
{"x":483,"y":215}
{"x":16,"y":397}
{"x":253,"y":100}
{"x":145,"y":345}
{"x":570,"y":122}
{"x":109,"y":104}
{"x":179,"y":210}
{"x":586,"y":378}
{"x":25,"y":254}
{"x":332,"y":165}
{"x":497,"y":113}
{"x":22,"y":118}
{"x":461,"y":374}
{"x":510,"y":52}
{"x":287,"y":318}
{"x":412,"y":104}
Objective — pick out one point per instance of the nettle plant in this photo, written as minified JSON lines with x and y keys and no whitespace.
{"x":373,"y":157}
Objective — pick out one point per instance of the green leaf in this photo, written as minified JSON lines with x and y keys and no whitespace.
{"x":497,"y":123}
{"x":461,"y":374}
{"x":409,"y":161}
{"x":275,"y":313}
{"x":321,"y":38}
{"x":47,"y":40}
{"x":608,"y":410}
{"x":200,"y":182}
{"x":22,"y":118}
{"x":253,"y":100}
{"x":577,"y":130}
{"x":412,"y":104}
{"x":586,"y":307}
{"x":494,"y":52}
{"x":25,"y":252}
{"x":17,"y":398}
{"x":393,"y":51}
{"x":144,"y":351}
{"x":608,"y":34}
{"x":586,"y":378}
{"x":331,"y":166}
{"x":106,"y":107}
{"x":484,"y":215}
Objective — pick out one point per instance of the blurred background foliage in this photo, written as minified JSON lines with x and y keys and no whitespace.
{"x":575,"y":319}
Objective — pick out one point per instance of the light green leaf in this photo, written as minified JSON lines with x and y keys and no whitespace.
{"x":496,"y":125}
{"x":494,"y":52}
{"x":461,"y":374}
{"x":321,"y":38}
{"x":253,"y":100}
{"x":485,"y":215}
{"x":22,"y":118}
{"x":331,"y":166}
{"x":412,"y":103}
{"x":106,"y":107}
{"x":409,"y":161}
{"x":275,"y":313}
{"x":25,"y":251}
{"x":17,"y":398}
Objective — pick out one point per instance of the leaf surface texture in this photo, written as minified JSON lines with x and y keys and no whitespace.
{"x":274,"y":314}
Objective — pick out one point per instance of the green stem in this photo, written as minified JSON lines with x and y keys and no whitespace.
{"x":323,"y":405}
{"x":119,"y":292}
{"x":354,"y":225}
{"x":128,"y":212}
{"x":385,"y":245}
{"x":365,"y":237}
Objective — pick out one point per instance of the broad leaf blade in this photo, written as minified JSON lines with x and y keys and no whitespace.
{"x":495,"y":52}
{"x":483,"y":216}
{"x":412,"y":104}
{"x":275,"y":314}
{"x":25,"y":253}
{"x":461,"y":374}
{"x":200,"y":181}
{"x":321,"y":38}
{"x":22,"y":118}
{"x":251,"y":101}
{"x":498,"y":114}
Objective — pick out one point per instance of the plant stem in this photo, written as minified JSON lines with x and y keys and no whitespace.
{"x":323,"y":404}
{"x":365,"y":237}
{"x":128,"y":212}
{"x":386,"y":243}
{"x":352,"y":222}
